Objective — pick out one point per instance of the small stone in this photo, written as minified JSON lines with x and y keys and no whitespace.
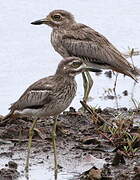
{"x":125,"y":93}
{"x":71,"y":109}
{"x":118,"y":159}
{"x":108,"y":74}
{"x":95,"y":174}
{"x":137,"y":169}
{"x":110,"y":97}
{"x":12,"y":165}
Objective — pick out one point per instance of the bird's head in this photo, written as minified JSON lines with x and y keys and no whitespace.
{"x":71,"y":66}
{"x":56,"y":19}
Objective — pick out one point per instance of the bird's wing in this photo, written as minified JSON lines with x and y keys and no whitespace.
{"x":36,"y":96}
{"x":82,"y":41}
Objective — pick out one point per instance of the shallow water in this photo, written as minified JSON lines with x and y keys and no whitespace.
{"x":42,"y":167}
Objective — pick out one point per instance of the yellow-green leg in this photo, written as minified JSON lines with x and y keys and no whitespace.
{"x":54,"y":147}
{"x":31,"y":132}
{"x":87,"y":83}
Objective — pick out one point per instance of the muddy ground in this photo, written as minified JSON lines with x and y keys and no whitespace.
{"x":97,"y":144}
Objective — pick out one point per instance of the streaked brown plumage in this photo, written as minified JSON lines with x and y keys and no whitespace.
{"x":70,"y":38}
{"x":51,"y":95}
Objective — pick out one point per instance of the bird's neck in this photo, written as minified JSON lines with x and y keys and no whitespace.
{"x":64,"y":76}
{"x":63,"y":27}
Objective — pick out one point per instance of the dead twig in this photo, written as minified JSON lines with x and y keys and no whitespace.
{"x":110,"y":140}
{"x":92,"y":111}
{"x":128,"y":54}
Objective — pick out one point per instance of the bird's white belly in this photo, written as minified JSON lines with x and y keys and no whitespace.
{"x":44,"y":112}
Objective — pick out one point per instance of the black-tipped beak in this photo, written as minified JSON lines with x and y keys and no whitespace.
{"x":38,"y":22}
{"x":93,"y":70}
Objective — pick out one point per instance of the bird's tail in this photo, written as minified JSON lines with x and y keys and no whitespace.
{"x":134,"y":73}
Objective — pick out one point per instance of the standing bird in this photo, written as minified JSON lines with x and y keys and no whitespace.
{"x":70,"y":38}
{"x":49,"y":97}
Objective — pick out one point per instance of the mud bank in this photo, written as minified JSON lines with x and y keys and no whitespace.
{"x":96,"y":144}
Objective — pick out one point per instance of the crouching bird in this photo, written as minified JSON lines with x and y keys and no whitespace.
{"x":49,"y":97}
{"x":70,"y":38}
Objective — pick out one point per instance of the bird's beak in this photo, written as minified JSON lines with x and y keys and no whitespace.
{"x":92,"y":69}
{"x":39,"y":22}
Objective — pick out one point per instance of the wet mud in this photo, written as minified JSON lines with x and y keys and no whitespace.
{"x":95,"y":144}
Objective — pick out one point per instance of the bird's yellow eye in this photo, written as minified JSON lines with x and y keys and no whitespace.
{"x":76,"y":64}
{"x":57,"y":17}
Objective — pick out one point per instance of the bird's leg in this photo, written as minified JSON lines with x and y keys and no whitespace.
{"x":31,"y":132}
{"x":87,"y":83}
{"x":54,"y":146}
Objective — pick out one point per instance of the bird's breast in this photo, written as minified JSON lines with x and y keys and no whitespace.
{"x":56,"y":41}
{"x":62,"y":99}
{"x":67,"y":93}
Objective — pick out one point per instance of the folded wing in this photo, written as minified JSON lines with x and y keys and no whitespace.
{"x":96,"y":49}
{"x":36,"y":96}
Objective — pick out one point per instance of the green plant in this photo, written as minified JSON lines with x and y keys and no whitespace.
{"x":129,"y":150}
